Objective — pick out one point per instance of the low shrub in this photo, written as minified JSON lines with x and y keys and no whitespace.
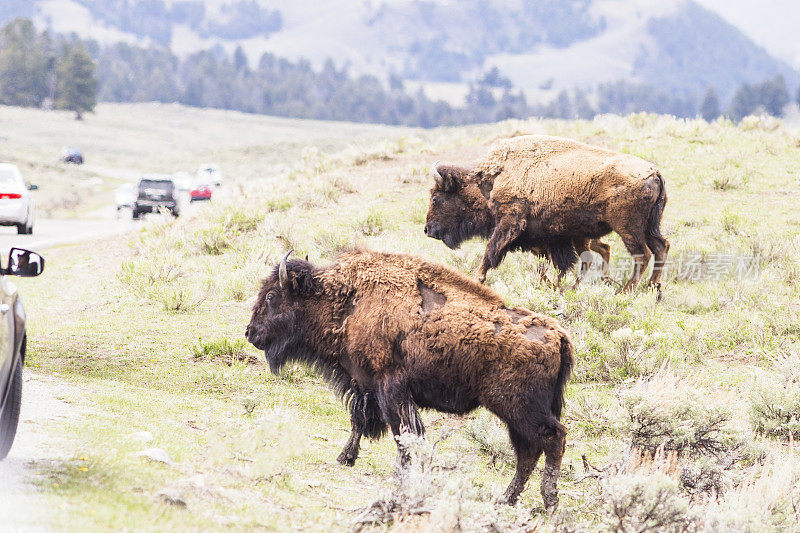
{"x":434,"y":495}
{"x":491,"y":436}
{"x":223,"y":350}
{"x":666,"y":412}
{"x":625,"y":354}
{"x":775,"y":408}
{"x":180,"y":297}
{"x":373,"y":223}
{"x":213,"y":239}
{"x":765,"y":501}
{"x":141,"y":274}
{"x":644,"y":502}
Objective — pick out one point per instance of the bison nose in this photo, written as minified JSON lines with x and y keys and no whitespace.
{"x":426,"y":229}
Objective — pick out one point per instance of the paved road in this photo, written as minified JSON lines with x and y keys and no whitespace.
{"x":49,"y":232}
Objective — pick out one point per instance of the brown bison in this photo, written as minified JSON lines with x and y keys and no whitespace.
{"x":552,"y":196}
{"x":392,"y":333}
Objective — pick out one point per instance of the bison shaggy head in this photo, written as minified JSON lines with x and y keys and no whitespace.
{"x":458,"y":209}
{"x":276,"y":324}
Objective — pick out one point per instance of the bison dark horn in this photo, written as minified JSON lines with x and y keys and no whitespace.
{"x":438,"y":177}
{"x":283,"y":275}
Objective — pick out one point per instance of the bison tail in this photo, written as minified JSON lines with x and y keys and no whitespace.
{"x":564,"y":371}
{"x":562,"y":254}
{"x":654,"y":219}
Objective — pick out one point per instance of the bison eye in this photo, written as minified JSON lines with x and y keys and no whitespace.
{"x":270,"y":296}
{"x":435,"y":202}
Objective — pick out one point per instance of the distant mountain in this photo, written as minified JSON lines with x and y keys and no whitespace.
{"x":542,"y":46}
{"x":770,"y":23}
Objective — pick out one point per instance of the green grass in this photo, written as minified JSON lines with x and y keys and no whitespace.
{"x":156,"y":322}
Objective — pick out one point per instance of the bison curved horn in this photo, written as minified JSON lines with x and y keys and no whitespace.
{"x":438,"y":177}
{"x":283,"y":275}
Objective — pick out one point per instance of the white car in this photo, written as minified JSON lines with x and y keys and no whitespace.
{"x":209,"y":174}
{"x":16,"y":203}
{"x":125,"y":196}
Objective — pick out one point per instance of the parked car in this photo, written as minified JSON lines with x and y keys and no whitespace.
{"x":201,"y":192}
{"x":13,"y":341}
{"x":71,"y":155}
{"x":16,"y":202}
{"x":183,"y":180}
{"x":125,"y":196}
{"x":209,"y":174}
{"x":155,"y":193}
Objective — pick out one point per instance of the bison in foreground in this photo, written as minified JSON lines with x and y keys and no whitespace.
{"x":392,"y":333}
{"x":552,"y":196}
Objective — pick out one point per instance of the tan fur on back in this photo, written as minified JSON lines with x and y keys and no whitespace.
{"x":546,"y":169}
{"x":401,"y":273}
{"x":389,"y":304}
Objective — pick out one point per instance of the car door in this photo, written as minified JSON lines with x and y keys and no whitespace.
{"x":7,"y":292}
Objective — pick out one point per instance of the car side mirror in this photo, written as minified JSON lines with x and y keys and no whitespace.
{"x":32,"y":187}
{"x":24,"y":263}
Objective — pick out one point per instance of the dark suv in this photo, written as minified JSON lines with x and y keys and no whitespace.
{"x":154,"y":194}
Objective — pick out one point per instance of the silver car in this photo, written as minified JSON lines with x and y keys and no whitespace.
{"x":16,"y":202}
{"x":13,"y":341}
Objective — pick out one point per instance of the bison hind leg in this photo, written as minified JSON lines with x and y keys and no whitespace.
{"x":537,"y":431}
{"x":527,"y":451}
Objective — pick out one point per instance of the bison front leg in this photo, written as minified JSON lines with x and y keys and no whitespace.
{"x":401,"y":414}
{"x":365,"y":420}
{"x":505,"y":233}
{"x":351,"y":448}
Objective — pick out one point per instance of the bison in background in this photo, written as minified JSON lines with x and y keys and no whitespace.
{"x":552,"y":196}
{"x":392,"y":333}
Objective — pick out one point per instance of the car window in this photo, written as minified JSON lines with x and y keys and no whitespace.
{"x":8,"y":176}
{"x":156,"y":184}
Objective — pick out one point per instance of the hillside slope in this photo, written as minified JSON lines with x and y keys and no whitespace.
{"x":687,"y":407}
{"x":542,"y":46}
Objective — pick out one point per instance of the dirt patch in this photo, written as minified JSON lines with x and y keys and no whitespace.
{"x":36,"y":444}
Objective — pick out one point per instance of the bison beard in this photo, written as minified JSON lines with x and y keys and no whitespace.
{"x":391,"y":333}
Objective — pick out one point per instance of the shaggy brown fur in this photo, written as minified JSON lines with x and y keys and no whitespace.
{"x":392,"y":333}
{"x":554,"y":196}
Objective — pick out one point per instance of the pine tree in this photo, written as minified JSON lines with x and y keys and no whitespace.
{"x":23,"y":64}
{"x":744,"y":102}
{"x":709,"y":108}
{"x":76,"y":85}
{"x":583,"y":108}
{"x":773,"y":95}
{"x":239,"y":59}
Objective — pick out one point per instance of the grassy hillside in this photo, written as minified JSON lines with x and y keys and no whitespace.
{"x":680,"y":413}
{"x":121,"y":142}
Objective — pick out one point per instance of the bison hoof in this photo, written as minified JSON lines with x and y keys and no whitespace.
{"x":347,"y":458}
{"x":507,"y":499}
{"x":550,"y":503}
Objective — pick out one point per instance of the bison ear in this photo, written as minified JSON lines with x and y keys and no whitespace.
{"x":301,"y":280}
{"x":450,"y":178}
